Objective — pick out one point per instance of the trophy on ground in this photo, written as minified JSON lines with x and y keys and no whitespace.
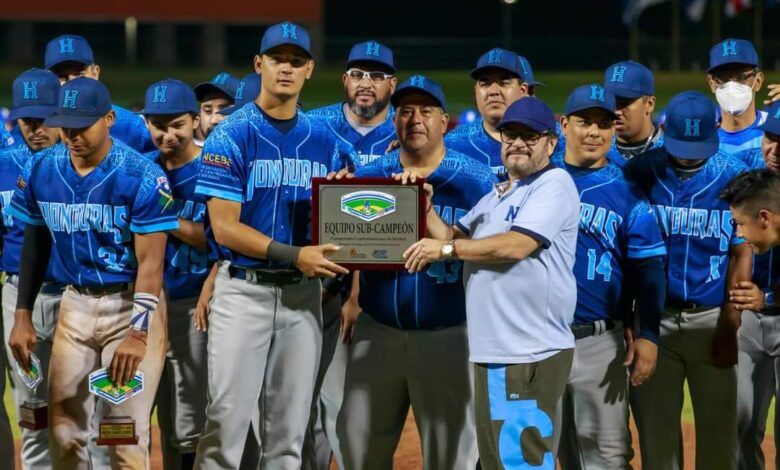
{"x":34,"y":412}
{"x":115,"y":430}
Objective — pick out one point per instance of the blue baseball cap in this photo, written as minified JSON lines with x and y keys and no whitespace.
{"x":80,"y":103}
{"x":419,"y":84}
{"x":629,"y":79}
{"x":247,"y":91}
{"x":691,"y":129}
{"x":590,"y":96}
{"x":222,"y":82}
{"x":286,"y":33}
{"x":35,"y":93}
{"x":530,"y":112}
{"x":733,"y":51}
{"x":68,"y":48}
{"x":505,"y":60}
{"x":772,"y":122}
{"x":528,"y":72}
{"x":170,"y":96}
{"x":371,"y":51}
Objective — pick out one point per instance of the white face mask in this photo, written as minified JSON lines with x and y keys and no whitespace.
{"x":734,"y":97}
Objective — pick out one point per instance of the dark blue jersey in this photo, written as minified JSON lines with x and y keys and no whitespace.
{"x":131,"y":129}
{"x":369,"y":147}
{"x":472,"y":140}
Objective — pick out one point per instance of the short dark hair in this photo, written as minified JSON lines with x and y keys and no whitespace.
{"x":754,"y":190}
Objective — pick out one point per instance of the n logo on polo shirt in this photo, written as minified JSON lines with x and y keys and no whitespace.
{"x":597,"y":93}
{"x":372,"y":48}
{"x":729,"y":48}
{"x":618,"y":74}
{"x":692,"y":127}
{"x":160,"y":94}
{"x":494,"y":56}
{"x":69,"y":99}
{"x":66,"y":46}
{"x":288,"y":31}
{"x":30,"y":90}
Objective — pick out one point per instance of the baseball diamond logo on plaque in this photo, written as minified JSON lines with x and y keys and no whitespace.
{"x":368,"y":205}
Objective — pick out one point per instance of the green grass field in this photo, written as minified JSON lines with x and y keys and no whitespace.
{"x":127,"y":84}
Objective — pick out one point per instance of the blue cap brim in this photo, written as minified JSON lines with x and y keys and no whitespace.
{"x":396,"y":97}
{"x":533,"y":124}
{"x":167,"y":112}
{"x":625,"y":92}
{"x":384,"y":64}
{"x":34,"y":112}
{"x":583,"y":108}
{"x":287,"y":43}
{"x":229,"y":110}
{"x":477,"y":70}
{"x":67,"y":121}
{"x":686,"y":150}
{"x":535,"y":83}
{"x":201,"y":89}
{"x":771,"y":126}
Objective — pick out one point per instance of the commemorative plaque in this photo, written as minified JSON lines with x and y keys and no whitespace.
{"x":115,"y":430}
{"x":373,"y":220}
{"x":33,"y":412}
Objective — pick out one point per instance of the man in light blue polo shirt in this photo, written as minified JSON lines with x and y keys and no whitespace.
{"x":518,"y":245}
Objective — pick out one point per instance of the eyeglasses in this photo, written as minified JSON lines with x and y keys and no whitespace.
{"x":721,"y":78}
{"x":509,"y":136}
{"x":375,"y":76}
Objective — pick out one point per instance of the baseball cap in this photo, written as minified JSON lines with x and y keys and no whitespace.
{"x":733,"y":51}
{"x":421,"y":84}
{"x":629,"y":79}
{"x":286,"y":33}
{"x":505,"y":60}
{"x":530,"y":112}
{"x":590,"y":96}
{"x":68,"y":48}
{"x":223,"y":82}
{"x":691,"y":130}
{"x":35,"y":94}
{"x":170,"y":96}
{"x":528,"y":72}
{"x":247,"y":91}
{"x":80,"y":103}
{"x":772,"y":122}
{"x":371,"y":51}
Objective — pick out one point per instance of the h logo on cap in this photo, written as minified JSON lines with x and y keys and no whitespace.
{"x":618,"y":73}
{"x":372,"y":48}
{"x":69,"y":99}
{"x":220,"y":79}
{"x":729,"y":48}
{"x":66,"y":46}
{"x":522,"y":65}
{"x":160,"y":93}
{"x":240,"y":90}
{"x":692,"y":127}
{"x":417,"y":81}
{"x":494,"y":56}
{"x":597,"y":93}
{"x":777,"y":114}
{"x":30,"y":90}
{"x":288,"y":31}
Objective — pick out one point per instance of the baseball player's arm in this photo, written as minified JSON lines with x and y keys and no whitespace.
{"x":202,"y":309}
{"x":34,"y":261}
{"x":724,"y":347}
{"x":650,"y":284}
{"x":509,"y":247}
{"x":191,"y":233}
{"x":350,"y":310}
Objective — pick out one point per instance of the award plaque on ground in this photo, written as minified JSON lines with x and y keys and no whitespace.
{"x":373,"y":220}
{"x":34,"y":412}
{"x":115,"y":430}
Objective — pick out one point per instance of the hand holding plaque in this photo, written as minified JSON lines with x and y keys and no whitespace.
{"x":34,"y":412}
{"x":115,"y":430}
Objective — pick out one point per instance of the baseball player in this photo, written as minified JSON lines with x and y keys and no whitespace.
{"x":617,"y":233}
{"x":734,"y":76}
{"x":246,"y":92}
{"x":214,"y":96}
{"x":698,"y":340}
{"x":104,"y":209}
{"x":171,"y":112}
{"x":410,"y":347}
{"x":365,"y":121}
{"x":69,"y":57}
{"x":500,"y":78}
{"x":751,"y":200}
{"x":517,"y":245}
{"x":265,"y":325}
{"x":34,"y":99}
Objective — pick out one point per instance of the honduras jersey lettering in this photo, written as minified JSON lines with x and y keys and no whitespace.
{"x":369,"y":147}
{"x":435,"y":297}
{"x":186,"y":267}
{"x":472,"y":140}
{"x":131,"y":129}
{"x":616,"y":224}
{"x":694,"y":221}
{"x":246,"y":160}
{"x":12,"y":161}
{"x":740,"y":143}
{"x":92,"y":218}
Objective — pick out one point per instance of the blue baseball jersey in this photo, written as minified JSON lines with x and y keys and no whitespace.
{"x":433,"y":298}
{"x":695,"y":223}
{"x":369,"y":147}
{"x":6,"y":139}
{"x":740,"y":143}
{"x":246,"y":160}
{"x":131,"y":129}
{"x":472,"y":140}
{"x":616,"y":224}
{"x":186,"y":267}
{"x":12,"y":162}
{"x":753,"y":158}
{"x":92,"y":218}
{"x":766,"y":268}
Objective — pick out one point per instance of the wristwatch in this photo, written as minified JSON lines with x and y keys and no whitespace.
{"x":769,"y":298}
{"x":448,"y":249}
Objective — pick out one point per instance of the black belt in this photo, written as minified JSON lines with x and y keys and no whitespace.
{"x":47,"y":288}
{"x":584,"y":330}
{"x":689,"y":307}
{"x":100,"y":291}
{"x":275,"y":278}
{"x":770,"y":312}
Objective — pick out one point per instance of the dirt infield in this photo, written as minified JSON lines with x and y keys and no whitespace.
{"x":408,"y":456}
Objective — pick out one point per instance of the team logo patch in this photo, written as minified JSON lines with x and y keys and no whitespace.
{"x":165,"y":200}
{"x":368,"y":205}
{"x":100,"y":384}
{"x":217,"y":160}
{"x":21,"y":183}
{"x":33,"y":377}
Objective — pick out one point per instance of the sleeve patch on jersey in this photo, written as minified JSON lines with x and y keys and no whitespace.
{"x":220,"y":161}
{"x":21,"y":183}
{"x":165,"y":199}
